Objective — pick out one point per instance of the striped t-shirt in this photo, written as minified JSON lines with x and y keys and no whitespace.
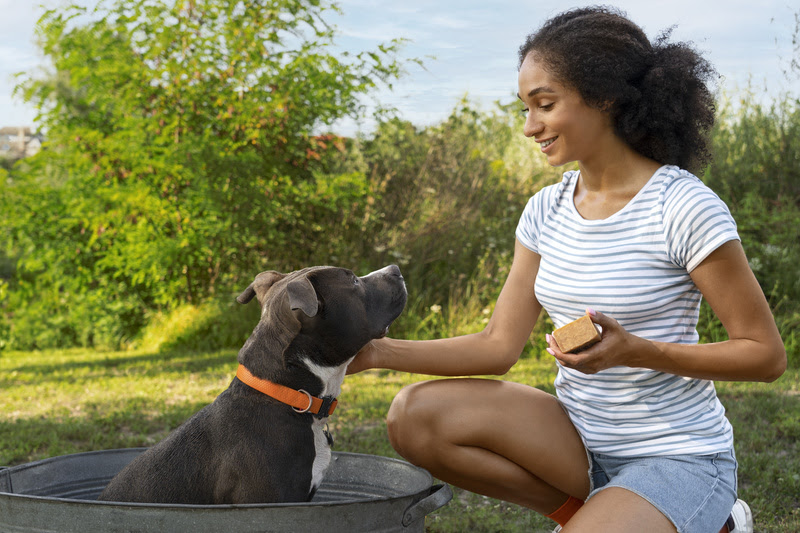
{"x":634,"y":267}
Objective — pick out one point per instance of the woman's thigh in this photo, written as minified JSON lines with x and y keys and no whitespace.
{"x":695,"y":493}
{"x":618,"y":510}
{"x":493,"y":430}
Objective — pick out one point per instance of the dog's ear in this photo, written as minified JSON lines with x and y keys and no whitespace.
{"x":303,"y":296}
{"x":278,"y":325}
{"x":246,"y":295}
{"x":260,"y":286}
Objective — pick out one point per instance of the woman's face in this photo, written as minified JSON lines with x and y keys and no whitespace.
{"x":558,"y":119}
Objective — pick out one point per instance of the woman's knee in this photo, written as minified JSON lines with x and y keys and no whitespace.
{"x":409,"y":421}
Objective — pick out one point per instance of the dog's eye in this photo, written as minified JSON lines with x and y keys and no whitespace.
{"x":356,"y":280}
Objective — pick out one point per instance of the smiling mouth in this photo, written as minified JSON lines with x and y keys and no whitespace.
{"x":548,"y":142}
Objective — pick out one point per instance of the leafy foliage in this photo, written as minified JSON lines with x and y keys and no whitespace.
{"x":183,"y":157}
{"x":450,"y":198}
{"x":756,"y":170}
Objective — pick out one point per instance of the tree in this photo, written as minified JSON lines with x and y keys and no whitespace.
{"x":183,"y":151}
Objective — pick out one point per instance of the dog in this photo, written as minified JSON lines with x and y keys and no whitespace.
{"x":247,"y":446}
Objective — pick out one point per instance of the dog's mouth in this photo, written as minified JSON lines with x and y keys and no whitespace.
{"x":384,"y":332}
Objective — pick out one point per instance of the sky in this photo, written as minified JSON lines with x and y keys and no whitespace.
{"x":469,"y":47}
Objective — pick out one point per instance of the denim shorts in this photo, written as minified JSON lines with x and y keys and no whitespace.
{"x":695,"y":492}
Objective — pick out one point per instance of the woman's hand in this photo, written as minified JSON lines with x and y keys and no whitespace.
{"x":616,"y":347}
{"x":365,"y":358}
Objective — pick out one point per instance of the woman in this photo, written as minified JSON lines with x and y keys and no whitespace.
{"x":636,"y":437}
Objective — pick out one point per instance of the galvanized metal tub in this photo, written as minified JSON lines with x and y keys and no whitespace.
{"x":360,"y":493}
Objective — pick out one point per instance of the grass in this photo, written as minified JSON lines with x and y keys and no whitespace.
{"x":59,"y":402}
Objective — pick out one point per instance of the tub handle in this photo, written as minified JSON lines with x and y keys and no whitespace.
{"x":438,"y":497}
{"x":5,"y":479}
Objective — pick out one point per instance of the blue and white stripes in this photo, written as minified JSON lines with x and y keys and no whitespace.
{"x":633,"y":266}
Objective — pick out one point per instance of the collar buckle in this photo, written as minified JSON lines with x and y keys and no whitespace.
{"x":326,"y":409}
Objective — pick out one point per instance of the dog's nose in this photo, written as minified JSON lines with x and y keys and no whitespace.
{"x":393,"y":270}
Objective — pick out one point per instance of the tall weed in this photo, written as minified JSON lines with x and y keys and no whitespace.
{"x":456,"y":197}
{"x":443,"y":203}
{"x":756,"y":172}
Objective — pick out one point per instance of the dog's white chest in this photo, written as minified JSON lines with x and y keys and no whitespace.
{"x":331,"y":378}
{"x":323,"y":457}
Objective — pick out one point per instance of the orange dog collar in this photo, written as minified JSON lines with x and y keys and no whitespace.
{"x":300,"y":400}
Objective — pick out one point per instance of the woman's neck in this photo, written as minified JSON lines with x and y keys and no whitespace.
{"x":617,"y":170}
{"x":607,"y":183}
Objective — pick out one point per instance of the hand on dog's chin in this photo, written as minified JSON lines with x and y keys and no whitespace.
{"x":364,"y":359}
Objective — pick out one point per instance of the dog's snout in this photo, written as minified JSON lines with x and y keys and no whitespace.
{"x":391,"y":270}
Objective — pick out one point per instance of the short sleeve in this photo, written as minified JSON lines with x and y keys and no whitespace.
{"x":536,"y":211}
{"x":696,"y":221}
{"x":528,"y":227}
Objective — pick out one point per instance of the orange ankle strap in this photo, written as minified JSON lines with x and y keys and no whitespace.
{"x":566,"y":511}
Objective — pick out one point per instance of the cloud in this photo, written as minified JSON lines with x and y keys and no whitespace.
{"x":444,"y":21}
{"x":379,"y":33}
{"x":449,"y":45}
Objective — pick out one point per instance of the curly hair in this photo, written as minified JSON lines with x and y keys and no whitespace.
{"x":656,"y":93}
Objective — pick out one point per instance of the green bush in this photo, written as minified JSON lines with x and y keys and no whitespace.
{"x":183,"y":156}
{"x":216,"y":324}
{"x":5,"y":328}
{"x":756,"y":172}
{"x":140,"y":212}
{"x":448,"y":196}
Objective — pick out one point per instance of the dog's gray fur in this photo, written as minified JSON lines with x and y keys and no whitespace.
{"x":246,"y":447}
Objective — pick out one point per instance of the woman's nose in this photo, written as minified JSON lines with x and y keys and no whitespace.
{"x":532,"y":125}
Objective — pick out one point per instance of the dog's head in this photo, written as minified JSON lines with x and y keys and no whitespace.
{"x":321,"y":314}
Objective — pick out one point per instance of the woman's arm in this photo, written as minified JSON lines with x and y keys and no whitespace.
{"x":491,"y":351}
{"x":754,"y":350}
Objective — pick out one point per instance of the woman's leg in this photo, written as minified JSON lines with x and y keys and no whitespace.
{"x":619,"y":510}
{"x":514,"y":443}
{"x":504,"y":440}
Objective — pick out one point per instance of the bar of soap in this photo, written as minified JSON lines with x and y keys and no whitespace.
{"x":577,"y":335}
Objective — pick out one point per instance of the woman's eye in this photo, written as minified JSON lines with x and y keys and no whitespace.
{"x":546,"y":107}
{"x":525,"y":110}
